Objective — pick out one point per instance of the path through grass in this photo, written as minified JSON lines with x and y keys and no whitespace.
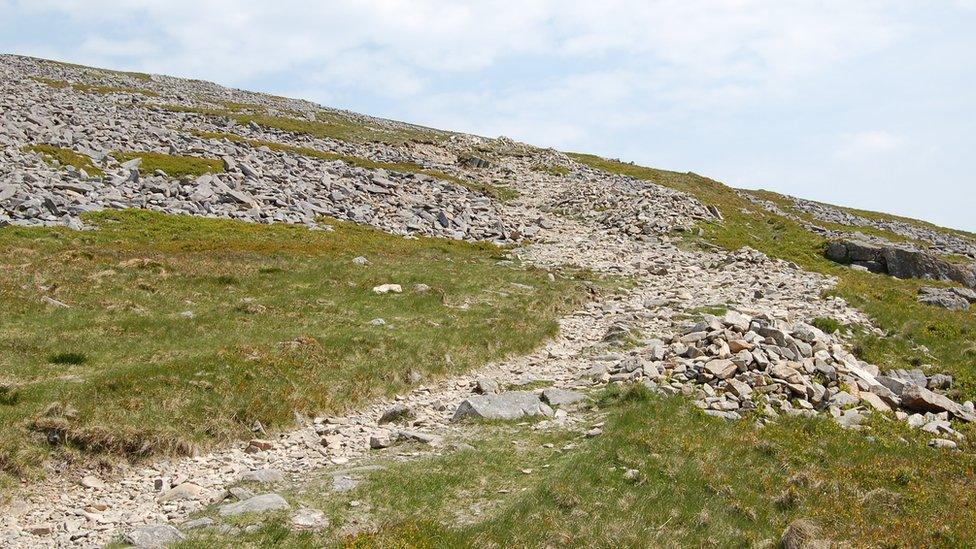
{"x":184,"y":331}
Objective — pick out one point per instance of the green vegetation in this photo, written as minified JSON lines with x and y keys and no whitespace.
{"x":326,"y":125}
{"x":558,"y":171}
{"x":173,"y":166}
{"x":698,"y":482}
{"x":826,"y":325}
{"x":498,"y":193}
{"x":58,"y":156}
{"x":184,"y":331}
{"x":915,"y":334}
{"x":94,"y":88}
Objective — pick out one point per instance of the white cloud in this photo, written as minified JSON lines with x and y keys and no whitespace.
{"x":854,"y":146}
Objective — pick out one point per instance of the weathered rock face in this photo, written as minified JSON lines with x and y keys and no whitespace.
{"x":899,"y":262}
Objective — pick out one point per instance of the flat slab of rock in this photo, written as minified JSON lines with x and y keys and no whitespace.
{"x":920,"y":399}
{"x":504,"y":406}
{"x":156,"y":535}
{"x":256,"y":504}
{"x":263,"y":476}
{"x":562,"y":397}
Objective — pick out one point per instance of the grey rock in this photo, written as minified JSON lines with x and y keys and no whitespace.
{"x":920,"y":399}
{"x":504,"y":406}
{"x":561,"y":397}
{"x":156,"y":535}
{"x":204,"y":522}
{"x":256,"y":504}
{"x":263,"y":476}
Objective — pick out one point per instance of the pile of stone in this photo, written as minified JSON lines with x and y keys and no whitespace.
{"x":899,"y":261}
{"x":258,"y":184}
{"x":939,"y":241}
{"x":629,"y":206}
{"x":955,"y":299}
{"x":740,"y":364}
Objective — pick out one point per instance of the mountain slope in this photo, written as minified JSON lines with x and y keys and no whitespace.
{"x":284,"y":343}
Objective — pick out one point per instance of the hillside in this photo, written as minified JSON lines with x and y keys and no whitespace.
{"x":235,"y":319}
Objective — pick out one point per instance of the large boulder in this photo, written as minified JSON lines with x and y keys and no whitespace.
{"x":507,"y":406}
{"x":900,"y":262}
{"x":919,"y":399}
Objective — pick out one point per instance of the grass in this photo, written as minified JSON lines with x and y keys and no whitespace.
{"x":558,"y":171}
{"x":279,"y":324}
{"x":65,"y":157}
{"x":914,"y":334}
{"x":498,"y":193}
{"x":700,"y":482}
{"x":173,"y":166}
{"x":326,"y":125}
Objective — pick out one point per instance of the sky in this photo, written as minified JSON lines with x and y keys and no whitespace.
{"x":867,"y":104}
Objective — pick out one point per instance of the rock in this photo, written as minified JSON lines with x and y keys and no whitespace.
{"x":875,"y":401}
{"x":361,"y":261}
{"x":258,"y":445}
{"x":940,"y":382}
{"x":311,"y":519}
{"x":918,"y":399}
{"x":388,"y":288}
{"x":721,"y":369}
{"x":157,"y":535}
{"x":943,"y":444}
{"x":92,"y":482}
{"x":185,"y":491}
{"x":486,"y":386}
{"x":561,"y":397}
{"x":380,"y":441}
{"x":255,"y":504}
{"x":195,"y":524}
{"x":263,"y":476}
{"x":504,"y":406}
{"x":417,"y":436}
{"x":396,"y":413}
{"x":899,"y":262}
{"x":944,"y":298}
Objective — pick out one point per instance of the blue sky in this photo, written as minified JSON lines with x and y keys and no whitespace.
{"x":867,"y":104}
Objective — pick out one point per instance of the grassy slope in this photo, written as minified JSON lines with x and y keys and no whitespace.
{"x":701,"y":482}
{"x":281,"y":323}
{"x":916,"y":334}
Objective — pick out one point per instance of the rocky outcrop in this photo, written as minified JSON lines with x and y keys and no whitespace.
{"x":954,"y":299}
{"x":899,"y":262}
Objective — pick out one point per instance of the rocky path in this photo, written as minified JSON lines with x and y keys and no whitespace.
{"x":566,"y":215}
{"x":89,"y":510}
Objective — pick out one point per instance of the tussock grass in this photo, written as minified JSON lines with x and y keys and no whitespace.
{"x":279,"y":324}
{"x":915,"y":334}
{"x":498,"y":193}
{"x":174,"y":166}
{"x":65,"y":157}
{"x":700,"y":481}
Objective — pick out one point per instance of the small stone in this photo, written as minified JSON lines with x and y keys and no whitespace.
{"x":92,"y":482}
{"x":388,"y":288}
{"x":258,"y":445}
{"x":195,"y":524}
{"x":943,"y":444}
{"x":263,"y":476}
{"x":306,"y":518}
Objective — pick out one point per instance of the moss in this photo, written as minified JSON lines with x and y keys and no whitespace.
{"x":65,"y":157}
{"x":173,"y":166}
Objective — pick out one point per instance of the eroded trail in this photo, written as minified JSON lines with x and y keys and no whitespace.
{"x":667,"y":281}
